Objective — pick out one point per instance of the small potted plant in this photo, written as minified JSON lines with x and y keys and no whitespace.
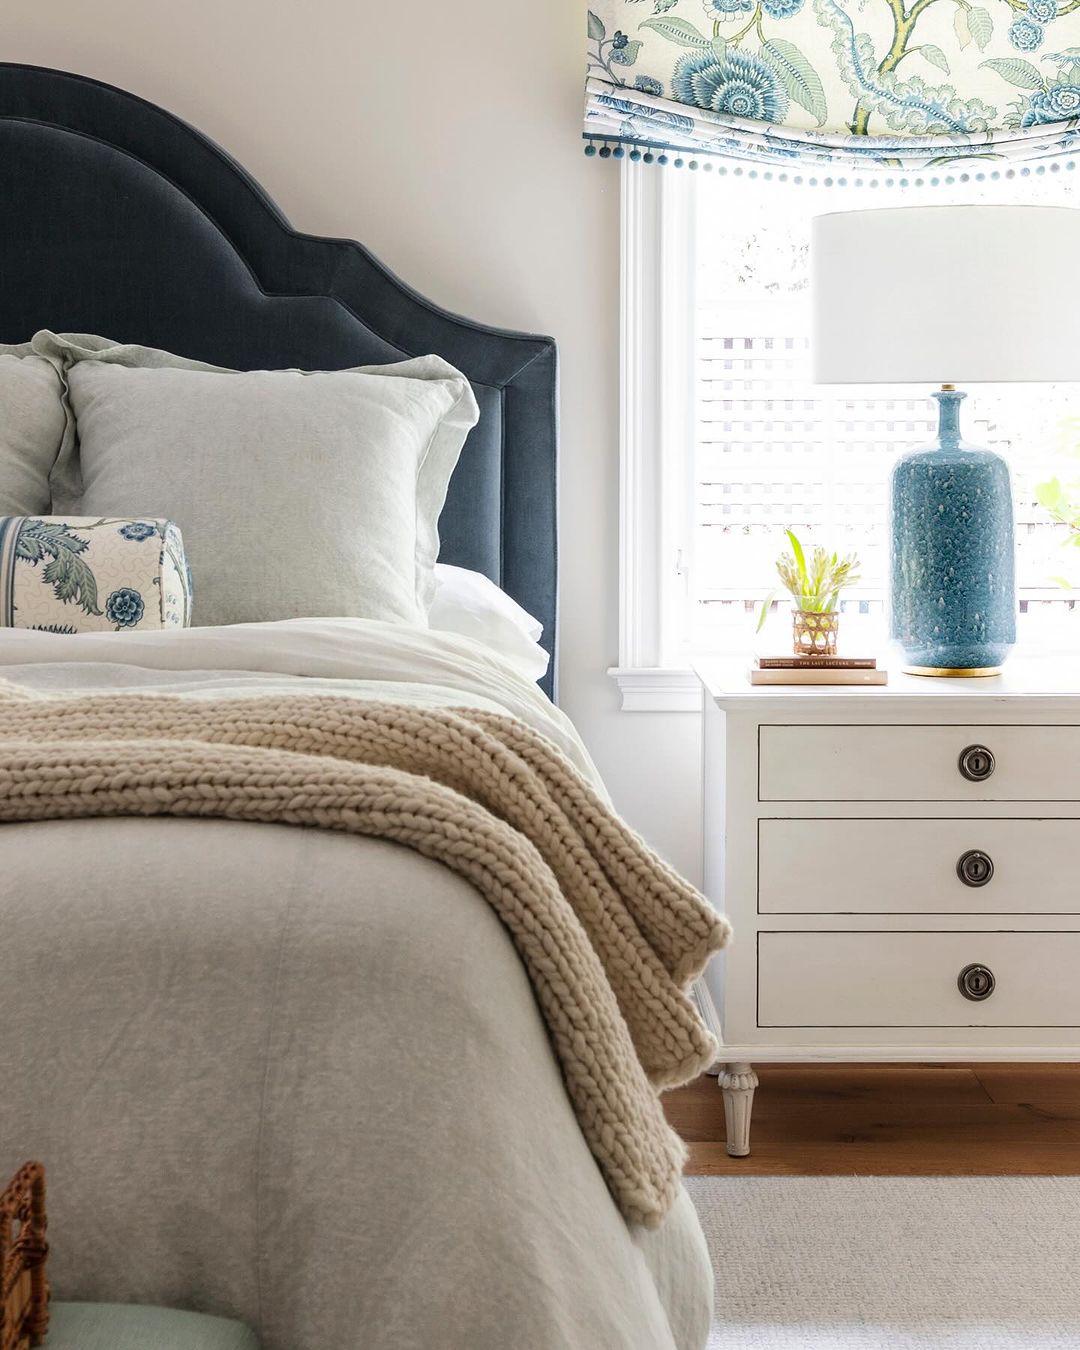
{"x":815,"y":589}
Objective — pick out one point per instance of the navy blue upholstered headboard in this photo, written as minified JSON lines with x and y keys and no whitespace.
{"x":117,"y":218}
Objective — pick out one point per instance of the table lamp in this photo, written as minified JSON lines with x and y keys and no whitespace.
{"x":953,"y":294}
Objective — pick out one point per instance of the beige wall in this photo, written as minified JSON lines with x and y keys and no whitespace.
{"x":446,"y":137}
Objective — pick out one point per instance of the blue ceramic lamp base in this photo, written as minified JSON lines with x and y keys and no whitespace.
{"x":953,"y":583}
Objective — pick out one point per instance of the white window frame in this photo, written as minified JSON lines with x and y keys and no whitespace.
{"x":657,"y":318}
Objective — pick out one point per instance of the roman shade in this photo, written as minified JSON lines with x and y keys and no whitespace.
{"x":828,"y":87}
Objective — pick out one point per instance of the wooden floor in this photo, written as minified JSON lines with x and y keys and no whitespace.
{"x":892,"y":1119}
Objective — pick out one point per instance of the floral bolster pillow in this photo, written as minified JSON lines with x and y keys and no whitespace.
{"x":92,"y":574}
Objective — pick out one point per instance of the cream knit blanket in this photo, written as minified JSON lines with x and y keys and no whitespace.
{"x":609,"y":935}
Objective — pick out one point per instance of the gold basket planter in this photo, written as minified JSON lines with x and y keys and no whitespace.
{"x":814,"y":634}
{"x":24,"y":1290}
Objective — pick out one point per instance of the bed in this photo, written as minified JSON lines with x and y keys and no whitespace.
{"x":280,"y":1073}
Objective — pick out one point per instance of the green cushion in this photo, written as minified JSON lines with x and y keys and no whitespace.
{"x":116,"y":1326}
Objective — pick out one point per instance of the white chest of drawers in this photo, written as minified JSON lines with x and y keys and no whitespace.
{"x":901,"y":866}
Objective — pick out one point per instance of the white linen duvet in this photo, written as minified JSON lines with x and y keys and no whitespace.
{"x":300,"y":1077}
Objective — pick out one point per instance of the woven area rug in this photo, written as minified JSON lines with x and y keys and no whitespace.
{"x":893,"y":1263}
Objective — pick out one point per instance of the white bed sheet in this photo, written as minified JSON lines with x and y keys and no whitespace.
{"x":651,"y":1290}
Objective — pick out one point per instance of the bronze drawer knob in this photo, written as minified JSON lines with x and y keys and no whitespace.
{"x":976,"y":982}
{"x":977,"y":763}
{"x":974,"y":868}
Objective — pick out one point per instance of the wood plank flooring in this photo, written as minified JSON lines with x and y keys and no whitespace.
{"x":892,"y":1120}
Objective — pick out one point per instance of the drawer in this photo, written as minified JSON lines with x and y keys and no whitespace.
{"x":917,"y":763}
{"x":904,"y":979}
{"x":914,"y":866}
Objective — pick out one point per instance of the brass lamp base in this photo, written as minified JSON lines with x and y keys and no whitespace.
{"x":953,"y":672}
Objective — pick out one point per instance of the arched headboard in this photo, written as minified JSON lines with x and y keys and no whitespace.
{"x":118,"y":218}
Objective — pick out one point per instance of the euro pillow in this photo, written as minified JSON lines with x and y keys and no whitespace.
{"x":300,"y":494}
{"x":471,"y":604}
{"x":32,"y":429}
{"x":92,"y":575}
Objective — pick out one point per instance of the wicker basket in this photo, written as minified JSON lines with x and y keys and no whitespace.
{"x":814,"y":634}
{"x":24,"y":1291}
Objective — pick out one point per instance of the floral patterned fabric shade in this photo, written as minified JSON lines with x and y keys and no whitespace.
{"x":907,"y":84}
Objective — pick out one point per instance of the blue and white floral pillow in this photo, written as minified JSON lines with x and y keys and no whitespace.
{"x":87,"y":574}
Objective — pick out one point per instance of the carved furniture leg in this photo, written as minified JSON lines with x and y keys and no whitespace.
{"x":737,"y":1082}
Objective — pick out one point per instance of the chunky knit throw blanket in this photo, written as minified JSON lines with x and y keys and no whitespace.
{"x":609,"y":935}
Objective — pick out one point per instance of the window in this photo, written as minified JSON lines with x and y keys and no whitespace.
{"x":760,"y":448}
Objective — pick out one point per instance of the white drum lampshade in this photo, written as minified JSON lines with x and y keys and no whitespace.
{"x":955,"y":294}
{"x":944,"y":295}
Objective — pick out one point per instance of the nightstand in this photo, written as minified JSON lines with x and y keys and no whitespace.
{"x":901,"y":866}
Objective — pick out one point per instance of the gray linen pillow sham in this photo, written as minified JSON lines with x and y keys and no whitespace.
{"x":299,"y":494}
{"x":33,"y":422}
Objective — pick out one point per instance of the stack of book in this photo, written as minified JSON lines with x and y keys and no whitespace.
{"x":817,"y":670}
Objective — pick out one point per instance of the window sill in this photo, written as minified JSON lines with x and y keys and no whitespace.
{"x":657,"y":689}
